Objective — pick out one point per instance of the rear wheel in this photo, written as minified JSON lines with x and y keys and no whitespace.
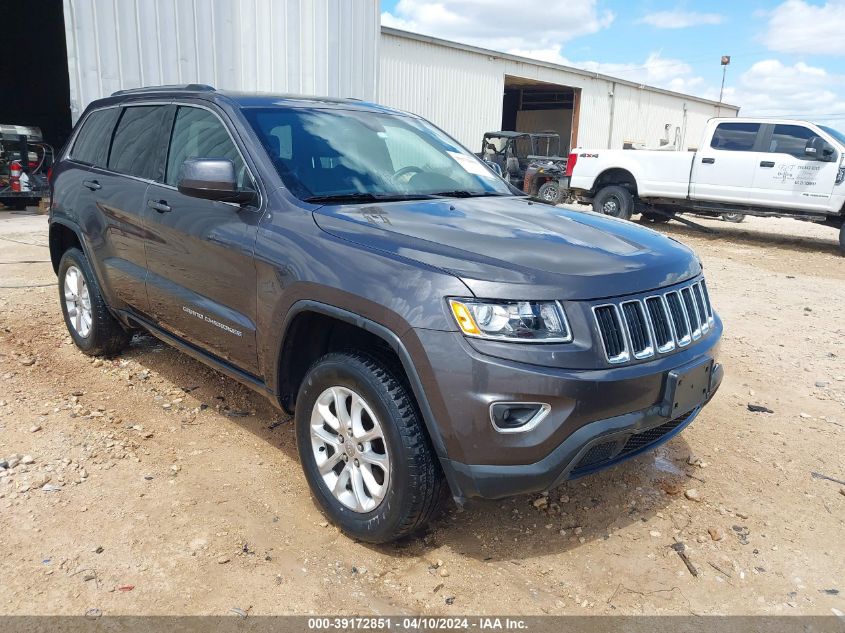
{"x":735,"y":218}
{"x":655,"y":218}
{"x":549,"y":192}
{"x":366,"y":456}
{"x":842,"y":239}
{"x":614,"y":201}
{"x":90,"y":324}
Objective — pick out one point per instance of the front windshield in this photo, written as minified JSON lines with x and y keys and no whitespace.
{"x":839,"y":136}
{"x":324,"y":154}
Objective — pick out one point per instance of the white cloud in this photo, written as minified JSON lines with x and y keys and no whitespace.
{"x":797,"y":26}
{"x":680,"y":19}
{"x":500,"y":24}
{"x":772,"y":88}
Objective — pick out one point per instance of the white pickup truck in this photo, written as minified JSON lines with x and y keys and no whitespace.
{"x":765,"y":167}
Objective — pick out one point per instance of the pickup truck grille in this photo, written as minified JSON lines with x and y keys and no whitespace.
{"x":660,"y":323}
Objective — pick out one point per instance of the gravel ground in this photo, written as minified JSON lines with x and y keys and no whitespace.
{"x":149,"y":484}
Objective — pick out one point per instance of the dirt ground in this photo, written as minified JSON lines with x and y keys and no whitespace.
{"x":156,"y":486}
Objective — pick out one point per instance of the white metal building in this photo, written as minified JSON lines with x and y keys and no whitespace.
{"x":468,"y":91}
{"x":88,"y":49}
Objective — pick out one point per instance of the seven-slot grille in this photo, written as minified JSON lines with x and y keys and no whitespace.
{"x":639,"y":328}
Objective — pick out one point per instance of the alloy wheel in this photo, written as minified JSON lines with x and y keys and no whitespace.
{"x":350,"y":449}
{"x":77,"y":301}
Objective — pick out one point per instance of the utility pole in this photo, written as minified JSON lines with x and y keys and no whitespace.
{"x":726,"y":60}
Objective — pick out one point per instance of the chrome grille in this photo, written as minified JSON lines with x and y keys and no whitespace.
{"x":640,"y":328}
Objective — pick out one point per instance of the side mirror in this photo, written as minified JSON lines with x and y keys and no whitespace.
{"x":820,"y":149}
{"x":212,"y":179}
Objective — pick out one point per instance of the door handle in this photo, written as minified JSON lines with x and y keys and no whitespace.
{"x":93,"y":185}
{"x":159,"y":205}
{"x":708,"y":161}
{"x":767,"y":163}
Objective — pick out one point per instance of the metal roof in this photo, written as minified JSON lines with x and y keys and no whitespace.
{"x":387,"y":30}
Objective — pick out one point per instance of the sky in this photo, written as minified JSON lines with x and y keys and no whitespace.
{"x":786,"y":55}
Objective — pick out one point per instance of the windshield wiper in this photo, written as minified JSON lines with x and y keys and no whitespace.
{"x":463,"y":193}
{"x":369,"y":197}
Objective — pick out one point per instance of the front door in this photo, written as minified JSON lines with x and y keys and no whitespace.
{"x":201,"y":275}
{"x":788,"y":178}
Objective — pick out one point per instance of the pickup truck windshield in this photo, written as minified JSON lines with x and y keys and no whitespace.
{"x":352,"y":156}
{"x":839,"y":136}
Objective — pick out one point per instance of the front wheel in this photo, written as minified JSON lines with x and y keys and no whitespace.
{"x":90,"y":324}
{"x":365,"y":453}
{"x":549,"y":192}
{"x":614,"y":201}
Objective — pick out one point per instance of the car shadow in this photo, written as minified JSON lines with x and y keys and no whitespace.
{"x":579,"y":511}
{"x":722,"y":231}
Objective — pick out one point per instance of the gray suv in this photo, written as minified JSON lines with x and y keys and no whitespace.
{"x":428,"y":325}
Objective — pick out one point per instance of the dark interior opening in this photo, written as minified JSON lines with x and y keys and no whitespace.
{"x":34,"y":79}
{"x":530,"y":106}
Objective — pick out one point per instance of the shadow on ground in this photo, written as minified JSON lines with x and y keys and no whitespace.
{"x":513,"y":529}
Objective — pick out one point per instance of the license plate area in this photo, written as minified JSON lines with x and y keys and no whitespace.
{"x":687,"y":387}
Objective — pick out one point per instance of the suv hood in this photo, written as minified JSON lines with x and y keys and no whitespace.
{"x":510,"y":248}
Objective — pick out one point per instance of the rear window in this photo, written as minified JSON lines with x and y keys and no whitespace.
{"x":136,"y":141}
{"x":92,"y":142}
{"x":735,"y":137}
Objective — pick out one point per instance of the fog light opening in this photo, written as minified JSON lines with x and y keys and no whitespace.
{"x":517,"y":417}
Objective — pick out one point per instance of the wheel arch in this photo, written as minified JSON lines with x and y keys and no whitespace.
{"x":312,"y":317}
{"x":62,"y":236}
{"x":615,"y":176}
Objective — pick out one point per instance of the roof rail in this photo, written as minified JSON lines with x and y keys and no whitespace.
{"x":168,"y":88}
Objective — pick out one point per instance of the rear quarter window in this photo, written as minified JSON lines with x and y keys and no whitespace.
{"x":735,"y":137}
{"x":92,"y":143}
{"x":136,"y":147}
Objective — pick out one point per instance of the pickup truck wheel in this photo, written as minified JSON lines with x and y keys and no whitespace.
{"x":735,"y":218}
{"x":842,"y":239}
{"x":366,"y":456}
{"x":92,"y":327}
{"x":614,"y":201}
{"x":655,"y":218}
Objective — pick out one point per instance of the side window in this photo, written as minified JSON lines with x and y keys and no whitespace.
{"x":198,"y":133}
{"x":133,"y":149}
{"x":92,"y":142}
{"x":791,"y":139}
{"x":735,"y":137}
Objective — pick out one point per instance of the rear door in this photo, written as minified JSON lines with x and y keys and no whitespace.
{"x":724,"y":171}
{"x":787,"y":177}
{"x":113,"y":198}
{"x":202,"y":279}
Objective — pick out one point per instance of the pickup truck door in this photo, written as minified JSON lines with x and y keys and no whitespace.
{"x":787,"y":178}
{"x":724,"y":171}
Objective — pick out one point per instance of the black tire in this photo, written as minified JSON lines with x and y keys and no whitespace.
{"x":842,"y":239}
{"x":734,"y":218}
{"x":614,"y":201}
{"x":14,"y":204}
{"x":107,"y":336}
{"x":549,"y":192}
{"x":416,"y":486}
{"x":655,"y":218}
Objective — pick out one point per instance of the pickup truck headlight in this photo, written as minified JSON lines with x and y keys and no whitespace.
{"x":517,"y":321}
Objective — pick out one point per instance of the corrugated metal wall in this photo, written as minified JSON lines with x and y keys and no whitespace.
{"x":461,"y":90}
{"x":319,"y":47}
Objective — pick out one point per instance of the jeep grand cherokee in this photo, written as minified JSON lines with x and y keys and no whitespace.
{"x":427,"y":325}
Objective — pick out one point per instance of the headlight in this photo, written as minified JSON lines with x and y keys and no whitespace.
{"x":518,"y":321}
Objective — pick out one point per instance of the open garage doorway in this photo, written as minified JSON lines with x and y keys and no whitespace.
{"x":34,"y":69}
{"x":532,"y":106}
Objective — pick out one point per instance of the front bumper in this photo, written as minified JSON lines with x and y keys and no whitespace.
{"x":597,"y":418}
